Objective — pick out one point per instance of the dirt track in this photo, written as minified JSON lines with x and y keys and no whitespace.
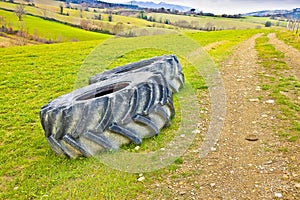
{"x":239,"y":168}
{"x":245,"y":164}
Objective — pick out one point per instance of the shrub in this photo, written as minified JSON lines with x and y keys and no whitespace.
{"x":268,"y":24}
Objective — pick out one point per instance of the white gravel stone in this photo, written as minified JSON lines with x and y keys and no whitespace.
{"x":271,"y":101}
{"x":278,"y":195}
{"x":258,"y":88}
{"x":212,"y":184}
{"x":254,"y":100}
{"x":137,"y":148}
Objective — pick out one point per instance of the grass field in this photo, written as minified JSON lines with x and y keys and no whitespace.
{"x":229,"y":39}
{"x":30,"y":77}
{"x":50,"y":30}
{"x":203,"y":22}
{"x":263,"y":20}
{"x":51,"y":10}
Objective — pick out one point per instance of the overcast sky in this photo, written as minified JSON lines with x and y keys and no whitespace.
{"x":229,"y":6}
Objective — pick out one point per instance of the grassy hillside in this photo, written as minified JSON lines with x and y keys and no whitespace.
{"x":203,"y":22}
{"x":263,"y":20}
{"x":49,"y":30}
{"x":51,"y":10}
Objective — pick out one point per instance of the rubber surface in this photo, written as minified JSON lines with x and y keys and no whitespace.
{"x":107,"y":114}
{"x":168,"y":65}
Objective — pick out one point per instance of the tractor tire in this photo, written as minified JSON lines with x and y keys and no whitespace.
{"x":168,"y":65}
{"x":105,"y":115}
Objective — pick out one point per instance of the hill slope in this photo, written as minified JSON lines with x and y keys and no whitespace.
{"x":49,"y":30}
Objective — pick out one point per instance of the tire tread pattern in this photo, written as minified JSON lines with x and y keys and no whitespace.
{"x":85,"y":127}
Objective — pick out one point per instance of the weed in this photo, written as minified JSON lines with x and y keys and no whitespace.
{"x":283,"y":149}
{"x":283,"y":89}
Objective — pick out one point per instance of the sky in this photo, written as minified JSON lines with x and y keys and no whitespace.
{"x":229,"y":6}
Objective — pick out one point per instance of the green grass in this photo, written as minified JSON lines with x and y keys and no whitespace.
{"x":50,"y":30}
{"x":290,"y":38}
{"x":31,"y":76}
{"x":263,"y":20}
{"x":282,"y":88}
{"x":230,"y":39}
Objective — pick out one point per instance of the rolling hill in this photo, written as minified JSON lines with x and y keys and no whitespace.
{"x":160,"y":5}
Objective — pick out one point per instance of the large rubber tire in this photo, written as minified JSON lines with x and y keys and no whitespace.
{"x":108,"y":114}
{"x":168,"y":65}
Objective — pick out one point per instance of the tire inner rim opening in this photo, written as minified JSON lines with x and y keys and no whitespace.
{"x":102,"y":91}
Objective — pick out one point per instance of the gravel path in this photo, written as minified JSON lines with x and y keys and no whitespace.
{"x":245,"y":163}
{"x":242,"y":167}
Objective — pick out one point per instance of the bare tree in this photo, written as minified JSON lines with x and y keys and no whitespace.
{"x":85,"y":24}
{"x":44,"y":11}
{"x":20,"y":11}
{"x":118,"y":28}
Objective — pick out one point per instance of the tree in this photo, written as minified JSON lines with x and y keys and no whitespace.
{"x":20,"y":11}
{"x":110,"y":17}
{"x":141,"y":14}
{"x":98,"y":17}
{"x":85,"y":24}
{"x":81,"y":11}
{"x":118,"y":28}
{"x":209,"y":26}
{"x":61,"y":6}
{"x":44,"y":11}
{"x":268,"y":24}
